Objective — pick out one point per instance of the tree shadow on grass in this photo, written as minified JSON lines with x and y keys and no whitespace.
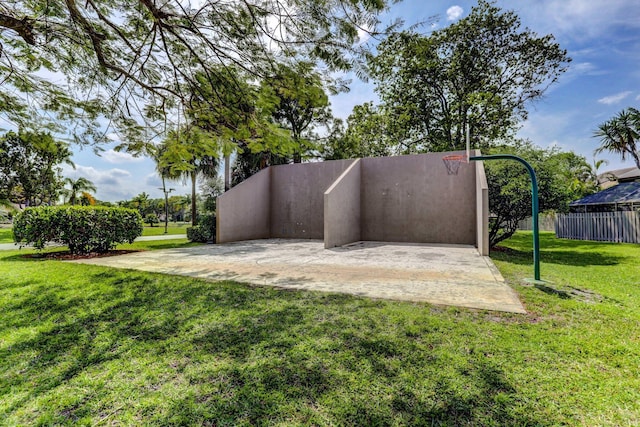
{"x":582,"y":259}
{"x":226,"y":353}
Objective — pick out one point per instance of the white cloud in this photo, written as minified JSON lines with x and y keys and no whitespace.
{"x":582,"y":68}
{"x":112,"y":184}
{"x":454,"y":12}
{"x":153,"y":180}
{"x":614,"y":99}
{"x":117,"y":157}
{"x":364,"y":34}
{"x":581,"y":19}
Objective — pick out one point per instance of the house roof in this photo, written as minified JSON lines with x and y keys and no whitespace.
{"x":625,"y":192}
{"x":629,"y":175}
{"x":623,"y":174}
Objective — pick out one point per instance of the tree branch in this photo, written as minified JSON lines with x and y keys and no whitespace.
{"x":24,"y":27}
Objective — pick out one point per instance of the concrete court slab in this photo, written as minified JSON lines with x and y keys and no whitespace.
{"x":455,"y":275}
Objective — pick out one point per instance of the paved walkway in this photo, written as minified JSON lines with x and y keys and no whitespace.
{"x":12,"y":246}
{"x":439,"y":274}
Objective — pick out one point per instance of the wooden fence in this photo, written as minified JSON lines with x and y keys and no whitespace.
{"x":546,"y":222}
{"x":603,"y":226}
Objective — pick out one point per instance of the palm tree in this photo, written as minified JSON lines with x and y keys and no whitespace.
{"x":77,"y":187}
{"x":189,"y":152}
{"x":621,"y":134}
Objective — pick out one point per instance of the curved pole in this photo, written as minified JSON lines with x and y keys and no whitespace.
{"x":534,"y":204}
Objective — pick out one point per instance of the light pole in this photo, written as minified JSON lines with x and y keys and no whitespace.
{"x":166,"y":205}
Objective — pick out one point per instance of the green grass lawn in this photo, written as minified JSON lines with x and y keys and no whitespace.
{"x":173,"y":228}
{"x":6,"y":235}
{"x":89,"y":345}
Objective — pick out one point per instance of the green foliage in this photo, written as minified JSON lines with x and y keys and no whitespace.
{"x":151,"y":219}
{"x":189,"y":152}
{"x":300,"y":103}
{"x":561,"y":179}
{"x":121,"y":56}
{"x":248,"y":163}
{"x":83,"y":229}
{"x":367,"y":135}
{"x":29,"y":167}
{"x":621,"y":135}
{"x":481,"y":71}
{"x":205,"y":231}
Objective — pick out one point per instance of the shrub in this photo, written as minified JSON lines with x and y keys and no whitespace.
{"x":83,"y":229}
{"x":205,"y":231}
{"x":151,"y":219}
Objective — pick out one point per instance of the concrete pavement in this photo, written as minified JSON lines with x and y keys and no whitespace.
{"x":454,"y":275}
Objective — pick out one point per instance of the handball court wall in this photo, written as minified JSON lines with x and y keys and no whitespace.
{"x":387,"y":199}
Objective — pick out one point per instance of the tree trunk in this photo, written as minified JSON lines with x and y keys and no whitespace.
{"x":193,"y":199}
{"x":227,"y":160}
{"x":166,"y":205}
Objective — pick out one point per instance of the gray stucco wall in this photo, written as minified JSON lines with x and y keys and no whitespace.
{"x":393,"y":199}
{"x":297,"y":198}
{"x":342,"y":208}
{"x":412,"y":199}
{"x":244,"y":213}
{"x":482,"y":208}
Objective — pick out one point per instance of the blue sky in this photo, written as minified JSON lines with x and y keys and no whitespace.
{"x":602,"y":38}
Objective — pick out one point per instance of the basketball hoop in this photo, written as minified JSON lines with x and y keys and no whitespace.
{"x":452,"y":162}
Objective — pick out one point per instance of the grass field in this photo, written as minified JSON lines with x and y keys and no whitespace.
{"x":6,"y":235}
{"x":172,"y":229}
{"x":90,"y":345}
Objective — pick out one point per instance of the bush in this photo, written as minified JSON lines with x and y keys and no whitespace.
{"x":205,"y":231}
{"x":83,"y":229}
{"x":151,"y":219}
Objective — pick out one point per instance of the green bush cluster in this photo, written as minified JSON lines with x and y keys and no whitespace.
{"x":205,"y":231}
{"x":83,"y":229}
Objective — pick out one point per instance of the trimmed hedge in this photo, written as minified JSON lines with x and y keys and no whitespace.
{"x":83,"y":229}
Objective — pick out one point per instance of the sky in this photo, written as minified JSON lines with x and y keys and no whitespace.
{"x":602,"y":38}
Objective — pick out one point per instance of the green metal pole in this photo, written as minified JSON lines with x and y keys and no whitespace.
{"x":534,"y":204}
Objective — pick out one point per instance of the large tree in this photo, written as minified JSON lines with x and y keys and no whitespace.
{"x":300,"y":102}
{"x":621,"y":135}
{"x":29,"y":167}
{"x":480,"y":72}
{"x":561,"y":176}
{"x":134,"y":59}
{"x":366,"y":135}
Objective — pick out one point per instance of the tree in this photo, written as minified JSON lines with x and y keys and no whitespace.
{"x":190,"y":152}
{"x":480,"y":72}
{"x":86,"y":199}
{"x":621,"y":134}
{"x":119,"y":55}
{"x":141,"y":202}
{"x":300,"y":102}
{"x":510,"y":187}
{"x":29,"y":171}
{"x":366,"y":135}
{"x":227,"y":107}
{"x":78,"y":186}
